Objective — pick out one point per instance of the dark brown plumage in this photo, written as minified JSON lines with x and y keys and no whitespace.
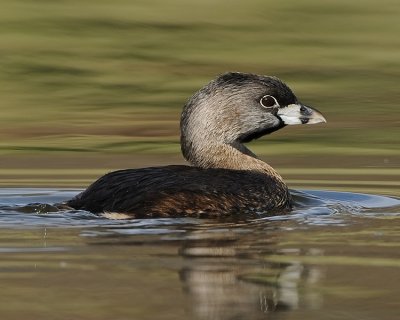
{"x":177,"y":191}
{"x":227,"y":178}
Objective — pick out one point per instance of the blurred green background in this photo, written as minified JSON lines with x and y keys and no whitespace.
{"x":94,"y":85}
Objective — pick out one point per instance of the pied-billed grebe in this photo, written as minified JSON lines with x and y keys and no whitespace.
{"x":226,"y":178}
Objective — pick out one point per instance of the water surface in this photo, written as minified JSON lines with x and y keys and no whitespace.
{"x":336,"y":257}
{"x":92,"y":86}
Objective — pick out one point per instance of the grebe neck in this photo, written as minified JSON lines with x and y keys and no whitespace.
{"x":210,"y":153}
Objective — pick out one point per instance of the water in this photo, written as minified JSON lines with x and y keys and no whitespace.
{"x":336,"y":257}
{"x":93,"y":86}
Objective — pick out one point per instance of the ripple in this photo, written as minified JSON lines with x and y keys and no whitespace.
{"x":30,"y":208}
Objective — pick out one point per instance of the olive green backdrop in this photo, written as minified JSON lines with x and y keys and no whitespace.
{"x":96,"y":84}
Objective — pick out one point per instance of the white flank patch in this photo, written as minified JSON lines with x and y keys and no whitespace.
{"x":115,"y":215}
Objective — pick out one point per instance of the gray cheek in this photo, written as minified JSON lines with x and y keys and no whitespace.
{"x":257,"y":121}
{"x":269,"y":120}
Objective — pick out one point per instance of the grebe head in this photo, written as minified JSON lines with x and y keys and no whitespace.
{"x":238,"y":107}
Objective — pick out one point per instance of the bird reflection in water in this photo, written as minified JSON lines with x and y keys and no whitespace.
{"x":226,"y":279}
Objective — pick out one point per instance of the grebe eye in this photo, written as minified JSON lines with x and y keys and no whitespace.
{"x":268,"y":101}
